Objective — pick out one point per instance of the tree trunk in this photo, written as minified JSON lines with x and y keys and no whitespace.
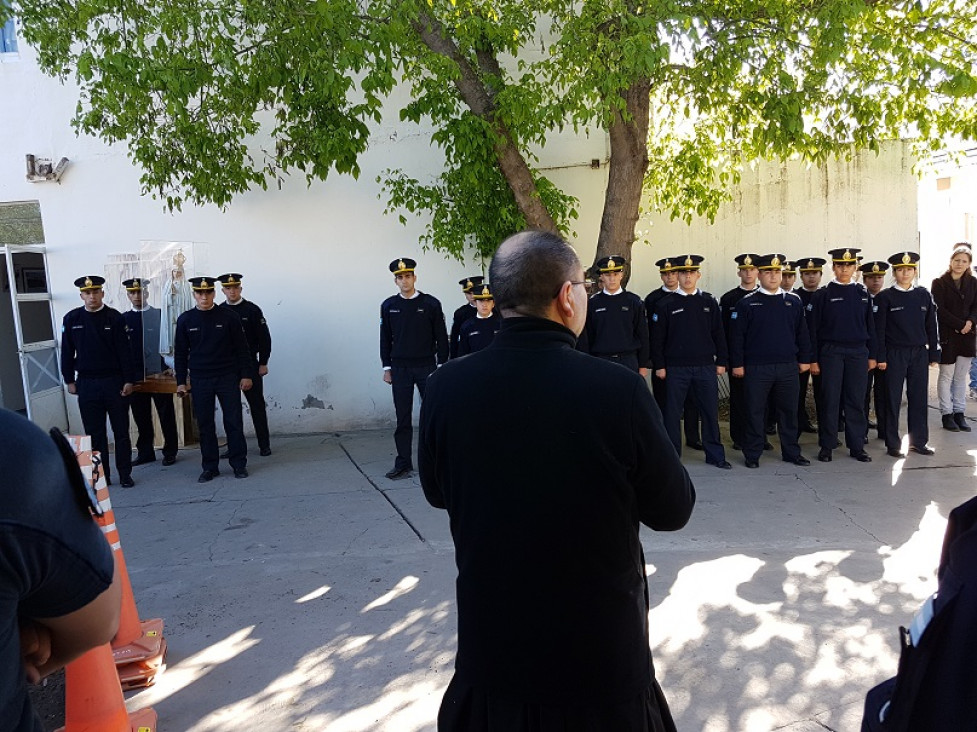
{"x":625,"y":174}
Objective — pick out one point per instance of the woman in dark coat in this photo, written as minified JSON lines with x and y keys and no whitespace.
{"x":955,"y":294}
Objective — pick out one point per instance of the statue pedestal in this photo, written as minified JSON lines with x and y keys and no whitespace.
{"x":186,"y":425}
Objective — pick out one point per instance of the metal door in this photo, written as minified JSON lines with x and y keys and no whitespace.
{"x":37,"y":343}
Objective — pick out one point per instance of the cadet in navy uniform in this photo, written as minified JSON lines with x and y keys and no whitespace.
{"x":259,"y":343}
{"x":617,"y":327}
{"x":747,"y":272}
{"x":413,"y":343}
{"x":769,"y":346}
{"x":210,"y":344}
{"x":810,"y":270}
{"x":689,"y":352}
{"x":788,"y":276}
{"x":478,"y":332}
{"x":842,"y":333}
{"x":464,"y":313}
{"x":94,"y":345}
{"x":143,"y":324}
{"x":908,"y":343}
{"x":873,"y":276}
{"x":690,"y":417}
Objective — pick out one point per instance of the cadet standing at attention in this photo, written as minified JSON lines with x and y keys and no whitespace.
{"x":908,"y":343}
{"x":462,"y":314}
{"x":873,"y":276}
{"x":689,"y":351}
{"x":769,"y":346}
{"x":210,"y":347}
{"x":259,"y":344}
{"x":843,"y":336}
{"x":690,"y":418}
{"x":811,"y":273}
{"x":143,"y":324}
{"x":413,"y":343}
{"x":478,"y":332}
{"x":747,"y":272}
{"x":94,"y":345}
{"x":617,"y":327}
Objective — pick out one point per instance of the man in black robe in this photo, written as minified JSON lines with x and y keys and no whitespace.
{"x":552,"y":593}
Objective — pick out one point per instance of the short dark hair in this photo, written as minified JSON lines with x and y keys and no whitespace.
{"x":528,"y":270}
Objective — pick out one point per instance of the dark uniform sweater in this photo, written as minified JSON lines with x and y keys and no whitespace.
{"x":768,"y":329}
{"x":616,"y":324}
{"x":412,"y":331}
{"x":255,"y":329}
{"x":211,"y":343}
{"x":907,"y":319}
{"x":95,"y":345}
{"x":461,"y":316}
{"x":688,"y":332}
{"x":476,"y":333}
{"x":842,"y":315}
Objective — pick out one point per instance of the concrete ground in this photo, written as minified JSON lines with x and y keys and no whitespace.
{"x":317,"y":595}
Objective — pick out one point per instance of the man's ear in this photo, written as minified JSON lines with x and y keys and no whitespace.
{"x":564,"y":302}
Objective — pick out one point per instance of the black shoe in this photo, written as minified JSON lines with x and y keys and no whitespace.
{"x":800,"y":461}
{"x":127,"y":482}
{"x":824,"y":455}
{"x":723,"y":465}
{"x":767,"y":446}
{"x":169,"y":460}
{"x":397,"y":473}
{"x":861,"y":456}
{"x":949,"y":423}
{"x":265,"y":451}
{"x":895,"y":452}
{"x":207,"y":476}
{"x":242,"y":473}
{"x":736,"y":446}
{"x":809,"y":429}
{"x":922,"y":450}
{"x":694,"y":445}
{"x":872,"y":425}
{"x":225,"y":455}
{"x":771,"y":430}
{"x":753,"y":463}
{"x":961,"y":420}
{"x":142,"y":460}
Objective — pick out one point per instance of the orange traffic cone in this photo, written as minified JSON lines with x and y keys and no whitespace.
{"x":93,"y":697}
{"x":138,"y":647}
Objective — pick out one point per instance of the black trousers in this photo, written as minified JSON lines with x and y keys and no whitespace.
{"x":207,"y":392}
{"x":909,"y":367}
{"x":259,"y":412}
{"x":763,"y":385}
{"x":699,"y":382}
{"x":737,"y":411}
{"x":844,"y":374}
{"x":690,"y":414}
{"x":141,"y":404}
{"x":875,"y":388}
{"x":403,"y":381}
{"x":100,"y":398}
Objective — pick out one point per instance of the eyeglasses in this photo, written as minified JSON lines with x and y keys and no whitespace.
{"x":585,"y":283}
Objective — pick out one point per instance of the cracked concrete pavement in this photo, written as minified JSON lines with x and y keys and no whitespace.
{"x":317,"y":595}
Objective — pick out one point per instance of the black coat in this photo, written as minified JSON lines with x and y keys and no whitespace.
{"x":552,"y":593}
{"x":954,"y":307}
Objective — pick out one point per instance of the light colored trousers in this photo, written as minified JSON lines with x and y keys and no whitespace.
{"x":952,"y":385}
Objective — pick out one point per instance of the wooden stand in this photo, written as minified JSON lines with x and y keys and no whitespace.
{"x":186,"y":425}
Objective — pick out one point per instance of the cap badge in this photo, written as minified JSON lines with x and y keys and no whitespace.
{"x":88,"y":282}
{"x":875,"y":267}
{"x":401,"y":265}
{"x":667,"y":264}
{"x":469,"y":285}
{"x":775,"y":262}
{"x":485,"y":290}
{"x":688,"y":261}
{"x":810,"y":263}
{"x":906,"y":259}
{"x":203,"y":283}
{"x":846,"y":255}
{"x":748,"y":260}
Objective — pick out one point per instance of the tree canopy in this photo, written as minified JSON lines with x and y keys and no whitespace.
{"x":216,"y":96}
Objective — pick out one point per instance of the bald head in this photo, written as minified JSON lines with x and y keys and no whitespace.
{"x":528,"y":271}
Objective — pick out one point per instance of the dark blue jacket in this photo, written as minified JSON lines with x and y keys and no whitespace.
{"x":688,"y":332}
{"x":907,"y":320}
{"x":95,"y":345}
{"x":616,"y":324}
{"x":841,"y":315}
{"x":768,"y":329}
{"x":412,"y":331}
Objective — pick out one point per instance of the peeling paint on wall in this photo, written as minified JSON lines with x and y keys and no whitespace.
{"x":310,"y":402}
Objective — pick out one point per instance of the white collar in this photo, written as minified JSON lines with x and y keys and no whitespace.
{"x":416,"y":293}
{"x":234,"y":304}
{"x":753,"y":289}
{"x":683,"y":293}
{"x":484,"y":317}
{"x":143,"y":309}
{"x":612,"y":294}
{"x":834,"y":281}
{"x":778,"y":291}
{"x":665,"y":289}
{"x":100,"y":308}
{"x":903,"y":289}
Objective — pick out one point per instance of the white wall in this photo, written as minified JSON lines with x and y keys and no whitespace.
{"x":316,"y":258}
{"x":947,"y":209}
